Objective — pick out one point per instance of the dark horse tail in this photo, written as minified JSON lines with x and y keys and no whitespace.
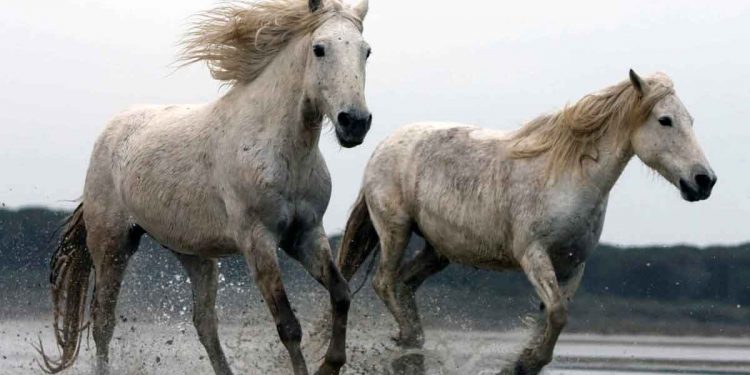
{"x":70,"y":269}
{"x":359,"y":240}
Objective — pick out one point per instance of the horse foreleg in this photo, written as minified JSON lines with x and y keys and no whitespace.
{"x":314,"y":252}
{"x":570,"y":285}
{"x":203,"y":274}
{"x":260,"y":253}
{"x":540,"y":272}
{"x":411,"y":276}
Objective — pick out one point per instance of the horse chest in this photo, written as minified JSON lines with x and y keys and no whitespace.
{"x":571,"y":231}
{"x":283,"y":190}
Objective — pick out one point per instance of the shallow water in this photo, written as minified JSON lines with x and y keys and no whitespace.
{"x":149,"y":348}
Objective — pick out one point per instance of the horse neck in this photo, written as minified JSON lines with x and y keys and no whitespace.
{"x":614,"y":155}
{"x":274,"y":105}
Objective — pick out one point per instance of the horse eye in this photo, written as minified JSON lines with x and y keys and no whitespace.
{"x":665,"y":121}
{"x":369,"y":52}
{"x":319,"y":50}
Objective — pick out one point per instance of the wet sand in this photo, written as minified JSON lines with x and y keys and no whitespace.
{"x":253,"y":348}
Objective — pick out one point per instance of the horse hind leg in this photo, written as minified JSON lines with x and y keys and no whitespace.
{"x":203,"y":274}
{"x":411,"y":276}
{"x":111,"y":249}
{"x":394,"y":238}
{"x":411,"y":334}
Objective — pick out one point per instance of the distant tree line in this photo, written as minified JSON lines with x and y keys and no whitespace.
{"x":717,"y":274}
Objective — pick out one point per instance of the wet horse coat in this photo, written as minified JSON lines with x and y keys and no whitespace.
{"x":241,"y":175}
{"x":533,"y":199}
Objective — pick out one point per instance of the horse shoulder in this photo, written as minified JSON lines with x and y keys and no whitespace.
{"x":571,"y":225}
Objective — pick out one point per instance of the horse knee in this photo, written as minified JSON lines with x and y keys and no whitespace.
{"x":379,"y":285}
{"x":205,"y":324}
{"x":558,"y":316}
{"x":341,"y":298}
{"x":290,"y":331}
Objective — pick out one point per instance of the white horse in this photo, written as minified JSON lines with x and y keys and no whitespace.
{"x":241,"y":175}
{"x":533,"y":199}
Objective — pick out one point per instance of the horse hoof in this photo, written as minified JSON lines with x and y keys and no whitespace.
{"x":326,"y":369}
{"x":408,"y":342}
{"x":518,"y":369}
{"x":102,"y":368}
{"x":410,"y":364}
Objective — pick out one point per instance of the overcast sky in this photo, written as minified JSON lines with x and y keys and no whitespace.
{"x":68,"y":65}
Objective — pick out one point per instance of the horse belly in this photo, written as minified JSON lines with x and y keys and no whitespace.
{"x":467,"y":245}
{"x":186,"y":230}
{"x":186,"y":218}
{"x":478,"y":257}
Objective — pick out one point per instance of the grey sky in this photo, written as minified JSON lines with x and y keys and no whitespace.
{"x":68,"y":65}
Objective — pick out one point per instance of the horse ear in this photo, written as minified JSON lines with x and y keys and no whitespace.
{"x":360,"y":10}
{"x":640,"y":85}
{"x":314,"y":5}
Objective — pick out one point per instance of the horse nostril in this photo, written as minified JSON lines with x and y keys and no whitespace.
{"x":704,"y":182}
{"x":345,"y":119}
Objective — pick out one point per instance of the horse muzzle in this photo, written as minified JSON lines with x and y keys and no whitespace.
{"x":352,"y":127}
{"x":700,"y":187}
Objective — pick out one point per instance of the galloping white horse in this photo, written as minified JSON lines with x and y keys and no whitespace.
{"x":240,"y":175}
{"x":533,"y":199}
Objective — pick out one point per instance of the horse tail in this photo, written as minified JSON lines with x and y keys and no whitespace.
{"x":359,"y":240}
{"x":70,"y":268}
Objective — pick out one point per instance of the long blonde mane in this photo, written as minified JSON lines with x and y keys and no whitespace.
{"x":572,"y":134}
{"x":237,"y":40}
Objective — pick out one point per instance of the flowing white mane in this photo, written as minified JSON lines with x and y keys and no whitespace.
{"x":237,"y":40}
{"x":572,"y":134}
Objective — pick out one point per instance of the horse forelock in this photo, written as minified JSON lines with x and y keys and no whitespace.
{"x":237,"y":40}
{"x":573,"y":134}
